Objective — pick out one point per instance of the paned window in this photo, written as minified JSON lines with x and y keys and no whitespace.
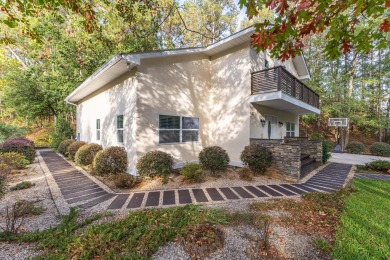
{"x":119,"y":129}
{"x":290,"y":129}
{"x":177,"y":129}
{"x":98,"y":129}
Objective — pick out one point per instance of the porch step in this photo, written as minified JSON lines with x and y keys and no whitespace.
{"x":304,"y":156}
{"x":307,"y":165}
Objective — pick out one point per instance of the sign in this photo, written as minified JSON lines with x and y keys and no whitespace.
{"x":338,"y":122}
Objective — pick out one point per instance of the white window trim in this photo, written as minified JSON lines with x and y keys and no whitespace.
{"x":123,"y":130}
{"x":289,"y":131}
{"x":181,"y":129}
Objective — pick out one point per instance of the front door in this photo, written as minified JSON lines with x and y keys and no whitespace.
{"x":271,"y":122}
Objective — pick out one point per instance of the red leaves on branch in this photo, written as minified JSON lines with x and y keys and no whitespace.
{"x":346,"y":46}
{"x":385,"y":26}
{"x":387,"y":5}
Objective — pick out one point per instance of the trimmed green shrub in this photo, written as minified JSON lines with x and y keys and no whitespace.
{"x":124,"y":180}
{"x":257,"y":158}
{"x":111,"y":160}
{"x":379,"y":165}
{"x":326,"y":146}
{"x":214,"y":159}
{"x":8,"y":131}
{"x":62,"y":131}
{"x":192,"y":172}
{"x":73,"y":148}
{"x":245,"y":174}
{"x":23,"y":185}
{"x":355,"y":147}
{"x":380,"y":149}
{"x":155,"y":163}
{"x":86,"y":153}
{"x":15,"y":160}
{"x":64,"y":145}
{"x":19,"y":145}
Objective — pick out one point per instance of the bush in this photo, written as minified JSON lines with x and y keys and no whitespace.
{"x":41,"y":137}
{"x":3,"y":186}
{"x":15,"y":160}
{"x":379,"y":165}
{"x":124,"y":180}
{"x":111,"y":160}
{"x":19,"y":145}
{"x":8,"y":131}
{"x":245,"y":174}
{"x":64,"y":145}
{"x":23,"y":185}
{"x":326,"y":146}
{"x":355,"y":147}
{"x":192,"y":172}
{"x":86,"y":153}
{"x":257,"y":158}
{"x":380,"y":149}
{"x":214,"y":158}
{"x":73,"y":148}
{"x":62,"y":131}
{"x":155,"y":163}
{"x":5,"y":169}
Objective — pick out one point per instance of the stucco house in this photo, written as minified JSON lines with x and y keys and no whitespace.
{"x":182,"y":100}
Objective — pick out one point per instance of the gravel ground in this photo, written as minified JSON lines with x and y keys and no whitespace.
{"x":40,"y":193}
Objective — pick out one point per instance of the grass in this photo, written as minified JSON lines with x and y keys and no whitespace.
{"x":23,"y":185}
{"x":364,"y":231}
{"x":137,"y":236}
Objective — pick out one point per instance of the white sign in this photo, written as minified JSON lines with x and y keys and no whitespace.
{"x":342,"y":122}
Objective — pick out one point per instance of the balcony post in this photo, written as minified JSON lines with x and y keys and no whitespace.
{"x":279,"y":77}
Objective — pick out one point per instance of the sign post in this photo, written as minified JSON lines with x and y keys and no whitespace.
{"x":338,"y":122}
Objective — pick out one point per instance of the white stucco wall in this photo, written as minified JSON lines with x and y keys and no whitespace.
{"x":118,"y":98}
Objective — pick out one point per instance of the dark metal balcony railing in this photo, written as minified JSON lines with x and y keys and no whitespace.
{"x":279,"y":79}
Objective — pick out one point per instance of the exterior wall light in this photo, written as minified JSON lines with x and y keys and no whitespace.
{"x":262,"y":122}
{"x":280,"y":123}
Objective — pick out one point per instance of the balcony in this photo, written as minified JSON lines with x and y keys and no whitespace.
{"x":277,"y":88}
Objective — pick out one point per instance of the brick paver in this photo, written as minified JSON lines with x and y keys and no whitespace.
{"x":82,"y":191}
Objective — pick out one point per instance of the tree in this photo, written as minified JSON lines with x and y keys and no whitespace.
{"x":347,"y":25}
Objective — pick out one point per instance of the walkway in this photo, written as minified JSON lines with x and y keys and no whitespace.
{"x":80,"y":190}
{"x":347,"y":158}
{"x":370,"y":176}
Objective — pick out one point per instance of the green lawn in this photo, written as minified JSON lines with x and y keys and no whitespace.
{"x":364,"y":231}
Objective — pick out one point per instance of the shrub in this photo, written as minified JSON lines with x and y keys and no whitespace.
{"x":380,"y":149}
{"x":15,"y":160}
{"x":74,"y":147}
{"x":379,"y":165}
{"x":5,"y":169}
{"x":192,"y":172}
{"x":111,"y":160}
{"x":62,"y":131}
{"x":326,"y":146}
{"x":23,"y":185}
{"x":19,"y":145}
{"x":3,"y":186}
{"x":355,"y":147}
{"x":64,"y":145}
{"x":86,"y":153}
{"x":8,"y":131}
{"x":257,"y":158}
{"x":155,"y":163}
{"x":124,"y":180}
{"x":245,"y":174}
{"x":214,"y":158}
{"x":41,"y":137}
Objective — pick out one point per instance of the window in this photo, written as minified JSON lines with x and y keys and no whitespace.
{"x":98,"y":129}
{"x":78,"y":137}
{"x":177,"y":129}
{"x":290,"y":129}
{"x":266,"y":64}
{"x":119,"y":129}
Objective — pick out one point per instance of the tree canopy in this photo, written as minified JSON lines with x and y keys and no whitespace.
{"x":347,"y":25}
